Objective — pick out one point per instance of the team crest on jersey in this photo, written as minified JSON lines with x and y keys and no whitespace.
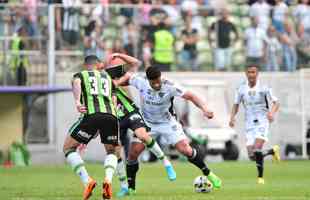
{"x":161,"y":94}
{"x":252,"y":93}
{"x":149,"y":92}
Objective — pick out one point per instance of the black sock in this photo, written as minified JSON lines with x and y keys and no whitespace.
{"x":132,"y":168}
{"x":259,"y":163}
{"x":268,"y":152}
{"x":197,"y":160}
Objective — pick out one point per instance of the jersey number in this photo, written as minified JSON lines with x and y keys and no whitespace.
{"x":94,"y":90}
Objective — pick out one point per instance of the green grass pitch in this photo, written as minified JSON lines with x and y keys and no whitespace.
{"x":289,"y":180}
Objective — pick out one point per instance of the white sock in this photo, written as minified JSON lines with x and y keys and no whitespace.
{"x":110,"y":166}
{"x":121,"y":173}
{"x":155,"y":149}
{"x":77,"y":164}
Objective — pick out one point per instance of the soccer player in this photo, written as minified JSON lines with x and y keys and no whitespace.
{"x":92,"y":91}
{"x":130,"y":118}
{"x":256,"y":99}
{"x":157,"y":95}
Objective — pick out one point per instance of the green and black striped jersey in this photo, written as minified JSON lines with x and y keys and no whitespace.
{"x":124,"y":104}
{"x":97,"y":89}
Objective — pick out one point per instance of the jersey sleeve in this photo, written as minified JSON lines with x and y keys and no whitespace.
{"x":77,"y":75}
{"x":176,"y":90}
{"x":238,"y":96}
{"x":137,"y":81}
{"x":270,"y":95}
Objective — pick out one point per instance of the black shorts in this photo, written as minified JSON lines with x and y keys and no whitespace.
{"x":133,"y":121}
{"x":89,"y":126}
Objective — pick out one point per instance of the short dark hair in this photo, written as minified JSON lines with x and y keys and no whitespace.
{"x":91,"y":59}
{"x":152,"y":73}
{"x":253,"y":65}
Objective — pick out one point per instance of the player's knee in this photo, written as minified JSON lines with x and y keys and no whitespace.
{"x":135,"y":151}
{"x":142,"y":134}
{"x":252,"y":157}
{"x":68,"y":150}
{"x":185,"y":149}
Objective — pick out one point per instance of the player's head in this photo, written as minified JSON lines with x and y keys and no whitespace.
{"x":252,"y":73}
{"x":153,"y":75}
{"x":92,"y":62}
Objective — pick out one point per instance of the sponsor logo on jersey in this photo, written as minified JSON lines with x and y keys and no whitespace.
{"x":161,"y":94}
{"x":135,"y":117}
{"x":84,"y":134}
{"x":154,"y":103}
{"x":112,"y":137}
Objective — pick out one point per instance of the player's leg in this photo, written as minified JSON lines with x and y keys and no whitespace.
{"x":138,"y":125}
{"x":259,"y":159}
{"x":72,"y":141}
{"x":195,"y":157}
{"x":132,"y":167}
{"x":250,"y":149}
{"x":153,"y":146}
{"x":121,"y":173}
{"x":109,"y":134}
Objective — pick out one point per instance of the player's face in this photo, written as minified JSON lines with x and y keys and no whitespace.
{"x":156,"y":83}
{"x":252,"y":74}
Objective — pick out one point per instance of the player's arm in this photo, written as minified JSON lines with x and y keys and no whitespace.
{"x":235,"y":108}
{"x":77,"y":91}
{"x":275,"y":105}
{"x":199,"y":103}
{"x":233,"y":114}
{"x":123,"y":80}
{"x":133,"y":63}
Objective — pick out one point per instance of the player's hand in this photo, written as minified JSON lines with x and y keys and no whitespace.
{"x":232,"y":123}
{"x":208,"y":114}
{"x":81,"y":108}
{"x":270,"y":116}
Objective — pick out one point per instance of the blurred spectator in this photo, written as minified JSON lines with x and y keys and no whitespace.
{"x":145,"y":6}
{"x":130,"y":38}
{"x":261,"y":9}
{"x":101,"y":11}
{"x":303,"y":50}
{"x":3,"y":17}
{"x":188,"y":55}
{"x":279,"y":15}
{"x":93,"y":40}
{"x":301,"y":15}
{"x":255,"y":40}
{"x":191,"y":7}
{"x":127,"y":11}
{"x":273,"y":51}
{"x":162,"y":41}
{"x":117,"y":47}
{"x":31,"y":16}
{"x":70,"y":21}
{"x":158,"y":14}
{"x":289,"y":41}
{"x":173,"y":14}
{"x":222,"y":50}
{"x":18,"y":61}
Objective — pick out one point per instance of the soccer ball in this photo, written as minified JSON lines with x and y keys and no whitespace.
{"x":202,"y":184}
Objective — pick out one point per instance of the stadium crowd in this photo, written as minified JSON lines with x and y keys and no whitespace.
{"x":174,"y":35}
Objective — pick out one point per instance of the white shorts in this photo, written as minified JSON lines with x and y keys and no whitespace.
{"x":169,"y":132}
{"x":257,"y":132}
